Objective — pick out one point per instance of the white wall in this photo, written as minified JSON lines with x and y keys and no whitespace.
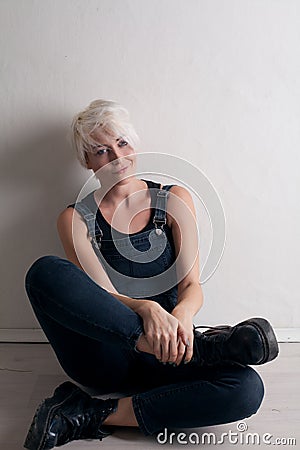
{"x":215,"y":82}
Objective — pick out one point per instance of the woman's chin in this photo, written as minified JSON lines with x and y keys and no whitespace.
{"x":112,"y":178}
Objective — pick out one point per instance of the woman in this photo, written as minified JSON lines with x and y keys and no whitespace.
{"x":117,"y":323}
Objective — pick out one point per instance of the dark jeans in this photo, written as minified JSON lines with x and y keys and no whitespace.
{"x":94,"y":336}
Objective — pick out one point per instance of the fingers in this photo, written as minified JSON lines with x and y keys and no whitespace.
{"x":178,"y":352}
{"x":170,"y":341}
{"x":182,"y":334}
{"x":164,"y":347}
{"x":181,"y":349}
{"x":173,"y":353}
{"x":187,"y":340}
{"x":189,"y":350}
{"x":157,"y":350}
{"x":169,"y":347}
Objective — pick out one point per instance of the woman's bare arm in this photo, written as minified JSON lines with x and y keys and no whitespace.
{"x":185,"y":236}
{"x":78,"y":248}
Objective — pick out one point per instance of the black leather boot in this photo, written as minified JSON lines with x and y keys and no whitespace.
{"x":252,"y":341}
{"x":70,"y":414}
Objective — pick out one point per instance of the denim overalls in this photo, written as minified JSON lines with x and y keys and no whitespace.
{"x":136,"y":263}
{"x":94,"y":335}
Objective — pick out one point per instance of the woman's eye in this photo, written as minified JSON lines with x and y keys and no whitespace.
{"x":102,"y":151}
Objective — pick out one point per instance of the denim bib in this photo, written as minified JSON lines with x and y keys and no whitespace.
{"x":140,"y":265}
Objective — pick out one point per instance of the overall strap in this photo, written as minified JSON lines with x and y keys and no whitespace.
{"x":95,"y":231}
{"x":160,"y":217}
{"x":90,"y":219}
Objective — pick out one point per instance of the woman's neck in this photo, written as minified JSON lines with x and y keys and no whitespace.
{"x":119,"y":192}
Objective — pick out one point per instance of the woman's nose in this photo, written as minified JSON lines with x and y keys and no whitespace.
{"x":116,"y":153}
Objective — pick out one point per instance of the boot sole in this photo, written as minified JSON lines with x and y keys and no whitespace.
{"x":37,"y":437}
{"x":270,"y":347}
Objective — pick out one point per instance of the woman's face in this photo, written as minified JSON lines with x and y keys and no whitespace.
{"x":112,"y":157}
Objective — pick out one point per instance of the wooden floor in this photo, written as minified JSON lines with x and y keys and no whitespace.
{"x":30,"y":372}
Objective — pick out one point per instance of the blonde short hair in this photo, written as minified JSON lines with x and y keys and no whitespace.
{"x":110,"y":116}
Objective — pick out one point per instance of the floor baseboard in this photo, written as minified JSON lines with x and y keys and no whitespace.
{"x":36,"y":335}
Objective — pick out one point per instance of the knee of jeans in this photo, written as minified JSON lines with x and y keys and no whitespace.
{"x":39,"y":269}
{"x":251,"y":392}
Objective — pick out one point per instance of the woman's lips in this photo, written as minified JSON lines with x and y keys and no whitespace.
{"x":121,"y":170}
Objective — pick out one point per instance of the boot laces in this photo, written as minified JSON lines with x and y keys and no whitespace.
{"x":85,"y":425}
{"x":218,"y":327}
{"x":209,"y":348}
{"x":74,"y":428}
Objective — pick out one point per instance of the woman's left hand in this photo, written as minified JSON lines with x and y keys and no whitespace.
{"x":186,"y":321}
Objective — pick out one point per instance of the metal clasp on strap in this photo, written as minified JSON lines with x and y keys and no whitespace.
{"x":90,"y":218}
{"x":159,"y":224}
{"x":97,"y":238}
{"x":159,"y":219}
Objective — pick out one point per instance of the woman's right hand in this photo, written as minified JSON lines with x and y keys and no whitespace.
{"x":163,"y":332}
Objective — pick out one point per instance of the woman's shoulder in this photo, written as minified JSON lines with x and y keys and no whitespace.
{"x":181,"y":192}
{"x":74,"y":210}
{"x":64,"y":222}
